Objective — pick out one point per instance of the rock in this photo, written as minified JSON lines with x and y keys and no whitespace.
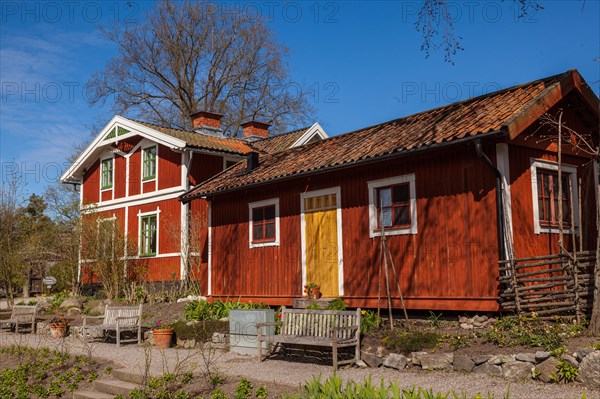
{"x":463,"y":320}
{"x":466,"y":326}
{"x":186,"y":343}
{"x":190,"y":298}
{"x":73,"y":312}
{"x":415,"y":357}
{"x":582,"y":353}
{"x":481,"y":359}
{"x":396,"y":361}
{"x":361,"y":364}
{"x":500,"y":359}
{"x":480,"y":319}
{"x":541,"y":356}
{"x":470,"y":320}
{"x":150,"y":337}
{"x":517,"y":370}
{"x":589,"y":369}
{"x":526,"y":357}
{"x":441,"y":361}
{"x":72,"y":302}
{"x":220,"y":338}
{"x":570,"y":360}
{"x":477,"y":324}
{"x":546,"y":369}
{"x":371,"y":359}
{"x":486,"y":368}
{"x":381,"y":351}
{"x":463,"y":363}
{"x":491,"y":320}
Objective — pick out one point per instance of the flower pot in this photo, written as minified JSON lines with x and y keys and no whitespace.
{"x":163,"y":337}
{"x":58,"y":330}
{"x":314,"y":293}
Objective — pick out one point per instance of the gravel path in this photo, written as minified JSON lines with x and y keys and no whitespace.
{"x":294,"y":374}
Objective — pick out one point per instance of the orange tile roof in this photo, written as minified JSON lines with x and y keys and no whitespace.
{"x":474,"y":117}
{"x":280,"y":142}
{"x":199,"y":140}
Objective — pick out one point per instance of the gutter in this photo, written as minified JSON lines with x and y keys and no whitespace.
{"x":499,"y":200}
{"x":360,"y":162}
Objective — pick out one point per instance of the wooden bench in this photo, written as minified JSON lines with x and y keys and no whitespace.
{"x":330,"y":328}
{"x":118,"y":319}
{"x":19,"y":316}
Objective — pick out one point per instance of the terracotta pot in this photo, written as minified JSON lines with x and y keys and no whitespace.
{"x":163,"y":338}
{"x":58,"y":330}
{"x":314,"y":293}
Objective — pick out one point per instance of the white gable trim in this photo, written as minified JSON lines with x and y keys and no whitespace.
{"x":134,"y":128}
{"x":314,"y":130}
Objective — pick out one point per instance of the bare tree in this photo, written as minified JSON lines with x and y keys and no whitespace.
{"x":193,"y":56}
{"x":435,"y":22}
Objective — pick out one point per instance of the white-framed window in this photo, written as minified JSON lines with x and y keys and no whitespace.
{"x":263,"y":223}
{"x":148,"y":240}
{"x":544,"y":193}
{"x":392,"y":206}
{"x":149,"y":163}
{"x":106,"y":237}
{"x":106,"y":174}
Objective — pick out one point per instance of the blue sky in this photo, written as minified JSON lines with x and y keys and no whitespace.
{"x":360,"y":60}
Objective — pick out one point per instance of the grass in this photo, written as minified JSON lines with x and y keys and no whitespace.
{"x":410,"y":341}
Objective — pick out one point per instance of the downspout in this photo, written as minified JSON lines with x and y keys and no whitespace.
{"x":499,"y":200}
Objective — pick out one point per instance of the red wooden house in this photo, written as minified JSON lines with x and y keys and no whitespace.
{"x":133,"y":173}
{"x":454,"y":189}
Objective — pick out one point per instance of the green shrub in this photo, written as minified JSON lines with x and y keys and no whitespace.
{"x":564,"y":373}
{"x":410,"y":341}
{"x":201,"y":331}
{"x":217,"y":310}
{"x":337,"y":304}
{"x":369,"y":320}
{"x":530,"y":332}
{"x":244,"y":389}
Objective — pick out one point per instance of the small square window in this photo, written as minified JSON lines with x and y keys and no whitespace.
{"x":392,"y":206}
{"x":264,"y":223}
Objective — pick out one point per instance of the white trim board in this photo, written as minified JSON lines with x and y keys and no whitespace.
{"x":314,"y":130}
{"x":548,"y":165}
{"x":138,"y":199}
{"x":309,"y":194}
{"x":503,"y":165}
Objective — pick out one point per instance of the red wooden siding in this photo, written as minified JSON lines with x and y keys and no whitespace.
{"x":199,"y":242}
{"x":204,"y":166}
{"x":120,"y":176}
{"x":135,"y":172}
{"x":91,"y":184}
{"x":169,"y":168}
{"x":149,"y":186}
{"x":449,"y":264}
{"x":169,"y":222}
{"x":106,"y":195}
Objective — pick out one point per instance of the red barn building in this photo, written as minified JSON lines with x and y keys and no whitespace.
{"x":133,"y":174}
{"x":454,"y":189}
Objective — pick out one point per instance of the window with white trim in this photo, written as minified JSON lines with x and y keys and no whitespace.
{"x":545,"y":195}
{"x":148,"y":234}
{"x":264,"y":223}
{"x":149,"y":163}
{"x":392,"y":206}
{"x":106,"y":174}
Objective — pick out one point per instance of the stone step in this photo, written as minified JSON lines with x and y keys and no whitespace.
{"x":115,"y":387}
{"x":303,"y":303}
{"x":128,"y":376}
{"x":92,"y":395}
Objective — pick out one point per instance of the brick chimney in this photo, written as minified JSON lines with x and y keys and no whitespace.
{"x":206,"y":119}
{"x":255,"y":129}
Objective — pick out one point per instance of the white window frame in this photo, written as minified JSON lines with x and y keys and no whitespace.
{"x":373,"y":186}
{"x":143,"y":164}
{"x":112,"y":185}
{"x":260,"y":204}
{"x":140,"y":216}
{"x":552,"y":166}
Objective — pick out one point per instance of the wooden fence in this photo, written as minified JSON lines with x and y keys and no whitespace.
{"x":549,"y":285}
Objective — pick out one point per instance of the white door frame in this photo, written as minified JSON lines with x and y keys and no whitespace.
{"x":316,"y":193}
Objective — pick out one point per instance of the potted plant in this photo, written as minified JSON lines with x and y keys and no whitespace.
{"x":163,"y":334}
{"x":313,"y":290}
{"x":58,"y":326}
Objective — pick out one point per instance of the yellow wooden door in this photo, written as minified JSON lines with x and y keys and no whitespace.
{"x":322,"y":243}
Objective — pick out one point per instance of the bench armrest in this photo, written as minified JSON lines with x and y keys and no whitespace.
{"x":126,"y":317}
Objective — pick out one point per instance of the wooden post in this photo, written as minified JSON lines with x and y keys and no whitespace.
{"x":513,"y":273}
{"x":574,"y":268}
